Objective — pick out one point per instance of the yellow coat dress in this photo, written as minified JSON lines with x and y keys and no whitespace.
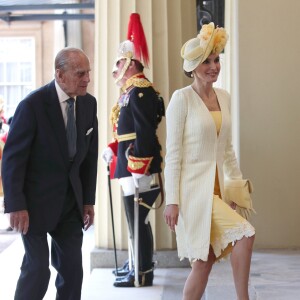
{"x":194,"y":152}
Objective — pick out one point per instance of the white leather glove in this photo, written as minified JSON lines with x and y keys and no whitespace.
{"x":136,"y":177}
{"x":107,"y":155}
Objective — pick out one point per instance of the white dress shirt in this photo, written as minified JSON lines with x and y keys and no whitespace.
{"x":63,"y":97}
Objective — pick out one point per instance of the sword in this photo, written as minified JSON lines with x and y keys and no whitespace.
{"x":112,"y":218}
{"x":136,"y":237}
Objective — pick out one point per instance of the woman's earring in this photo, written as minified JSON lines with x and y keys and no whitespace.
{"x":192,"y":75}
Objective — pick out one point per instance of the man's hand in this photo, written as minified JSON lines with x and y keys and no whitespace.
{"x":88,"y":216}
{"x":107,"y":155}
{"x":171,"y":213}
{"x":19,"y":221}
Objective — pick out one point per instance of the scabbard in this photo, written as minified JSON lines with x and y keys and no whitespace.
{"x":136,"y":237}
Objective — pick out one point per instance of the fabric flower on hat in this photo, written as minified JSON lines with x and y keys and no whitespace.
{"x":220,"y":40}
{"x":206,"y":33}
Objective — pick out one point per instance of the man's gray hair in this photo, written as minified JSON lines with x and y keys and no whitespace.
{"x":64,"y":57}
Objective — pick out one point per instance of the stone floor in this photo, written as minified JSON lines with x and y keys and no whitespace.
{"x":6,"y":238}
{"x":275,"y":274}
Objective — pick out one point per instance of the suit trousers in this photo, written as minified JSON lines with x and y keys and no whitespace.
{"x":66,"y":258}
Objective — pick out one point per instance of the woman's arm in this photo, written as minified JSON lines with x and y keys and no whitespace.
{"x":175,"y":122}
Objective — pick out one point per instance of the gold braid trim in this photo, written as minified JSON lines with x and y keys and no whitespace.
{"x":126,"y":137}
{"x":136,"y":80}
{"x":114,"y":114}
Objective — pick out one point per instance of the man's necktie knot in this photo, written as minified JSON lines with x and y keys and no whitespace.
{"x":71,"y":128}
{"x":71,"y":101}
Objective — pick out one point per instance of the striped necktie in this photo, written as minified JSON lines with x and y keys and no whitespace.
{"x":71,"y":128}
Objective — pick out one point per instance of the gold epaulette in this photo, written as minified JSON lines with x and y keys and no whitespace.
{"x":137,"y":80}
{"x":141,"y":82}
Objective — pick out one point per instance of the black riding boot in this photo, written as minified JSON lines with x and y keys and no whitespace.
{"x":122,"y":271}
{"x":145,"y":240}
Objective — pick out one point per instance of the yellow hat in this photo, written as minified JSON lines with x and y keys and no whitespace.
{"x":195,"y":51}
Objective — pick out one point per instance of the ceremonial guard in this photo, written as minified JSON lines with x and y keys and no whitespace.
{"x":136,"y":148}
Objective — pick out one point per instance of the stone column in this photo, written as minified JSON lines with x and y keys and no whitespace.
{"x":167,"y":25}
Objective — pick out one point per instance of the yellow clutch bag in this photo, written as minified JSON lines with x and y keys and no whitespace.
{"x":239,"y":191}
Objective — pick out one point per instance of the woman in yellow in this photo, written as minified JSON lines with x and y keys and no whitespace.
{"x":199,"y":156}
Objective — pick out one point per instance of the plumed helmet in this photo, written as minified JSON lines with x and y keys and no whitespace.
{"x":135,"y":47}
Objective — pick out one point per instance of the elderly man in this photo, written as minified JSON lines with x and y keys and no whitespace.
{"x":49,"y":173}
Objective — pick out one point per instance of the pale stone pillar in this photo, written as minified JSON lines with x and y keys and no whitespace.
{"x":167,"y":25}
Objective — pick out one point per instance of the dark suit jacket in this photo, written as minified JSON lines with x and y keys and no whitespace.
{"x":35,"y":168}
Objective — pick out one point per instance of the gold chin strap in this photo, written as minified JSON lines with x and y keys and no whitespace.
{"x":124,"y":69}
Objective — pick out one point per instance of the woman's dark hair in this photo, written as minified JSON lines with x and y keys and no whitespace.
{"x":188,"y":74}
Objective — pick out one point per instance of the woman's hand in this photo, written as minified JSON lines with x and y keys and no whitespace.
{"x":171,"y":213}
{"x":233,"y":205}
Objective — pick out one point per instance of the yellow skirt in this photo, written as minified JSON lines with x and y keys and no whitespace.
{"x":227,"y":227}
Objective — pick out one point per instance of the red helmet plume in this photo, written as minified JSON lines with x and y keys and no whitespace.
{"x":136,"y":35}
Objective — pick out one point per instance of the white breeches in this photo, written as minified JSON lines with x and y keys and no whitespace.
{"x":128,"y":186}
